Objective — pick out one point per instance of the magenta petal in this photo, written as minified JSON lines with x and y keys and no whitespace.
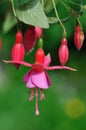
{"x":27,"y":75}
{"x":48,"y":79}
{"x":19,"y":62}
{"x":27,"y":79}
{"x":47,"y":60}
{"x":40,"y":79}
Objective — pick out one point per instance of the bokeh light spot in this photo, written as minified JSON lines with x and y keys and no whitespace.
{"x":75,"y":108}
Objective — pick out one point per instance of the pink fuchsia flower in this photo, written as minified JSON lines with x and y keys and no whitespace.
{"x":78,"y":37}
{"x":37,"y":77}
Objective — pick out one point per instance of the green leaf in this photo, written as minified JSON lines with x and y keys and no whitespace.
{"x":33,"y":14}
{"x":76,"y":5}
{"x":20,"y":2}
{"x":9,"y":23}
{"x":52,"y":20}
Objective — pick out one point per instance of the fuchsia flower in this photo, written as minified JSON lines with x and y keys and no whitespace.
{"x":63,"y":52}
{"x":78,"y":37}
{"x":18,"y":51}
{"x":37,"y":77}
{"x":30,"y":39}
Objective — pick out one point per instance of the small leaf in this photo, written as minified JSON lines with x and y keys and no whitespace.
{"x":33,"y":14}
{"x":9,"y":23}
{"x":52,"y":20}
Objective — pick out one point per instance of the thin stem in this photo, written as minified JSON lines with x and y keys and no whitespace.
{"x":79,"y":22}
{"x":64,"y":30}
{"x":13,"y":8}
{"x":18,"y":23}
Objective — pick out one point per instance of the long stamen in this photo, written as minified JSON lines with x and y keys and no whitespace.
{"x":31,"y":95}
{"x":37,"y":110}
{"x":42,"y":96}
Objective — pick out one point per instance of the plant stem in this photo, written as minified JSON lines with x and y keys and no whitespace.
{"x":79,"y":22}
{"x":13,"y":8}
{"x":64,"y":30}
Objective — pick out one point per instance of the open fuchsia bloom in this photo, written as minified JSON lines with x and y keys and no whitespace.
{"x":37,"y":77}
{"x":78,"y":37}
{"x":18,"y":51}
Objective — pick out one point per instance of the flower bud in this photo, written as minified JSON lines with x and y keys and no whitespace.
{"x":18,"y":51}
{"x":19,"y":37}
{"x":29,"y":39}
{"x":38,"y":32}
{"x":39,"y":56}
{"x":78,"y":37}
{"x":63,"y":52}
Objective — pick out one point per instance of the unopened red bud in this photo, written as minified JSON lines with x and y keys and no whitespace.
{"x":63,"y":52}
{"x":38,"y":32}
{"x":18,"y":51}
{"x":19,"y":37}
{"x":78,"y":38}
{"x":30,"y":39}
{"x":39,"y":56}
{"x":77,"y":29}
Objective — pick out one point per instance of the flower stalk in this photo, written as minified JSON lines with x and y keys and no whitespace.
{"x":64,"y":30}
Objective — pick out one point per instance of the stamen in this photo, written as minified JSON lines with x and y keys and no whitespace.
{"x":42,"y":96}
{"x":37,"y":110}
{"x":31,"y":95}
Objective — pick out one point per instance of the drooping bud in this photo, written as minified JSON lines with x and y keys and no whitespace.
{"x":38,"y":32}
{"x":30,"y":39}
{"x":19,"y":37}
{"x":63,"y":52}
{"x":18,"y":51}
{"x":39,"y":56}
{"x":78,"y":37}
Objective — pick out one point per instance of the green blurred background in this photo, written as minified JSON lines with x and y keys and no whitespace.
{"x":65,"y":105}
